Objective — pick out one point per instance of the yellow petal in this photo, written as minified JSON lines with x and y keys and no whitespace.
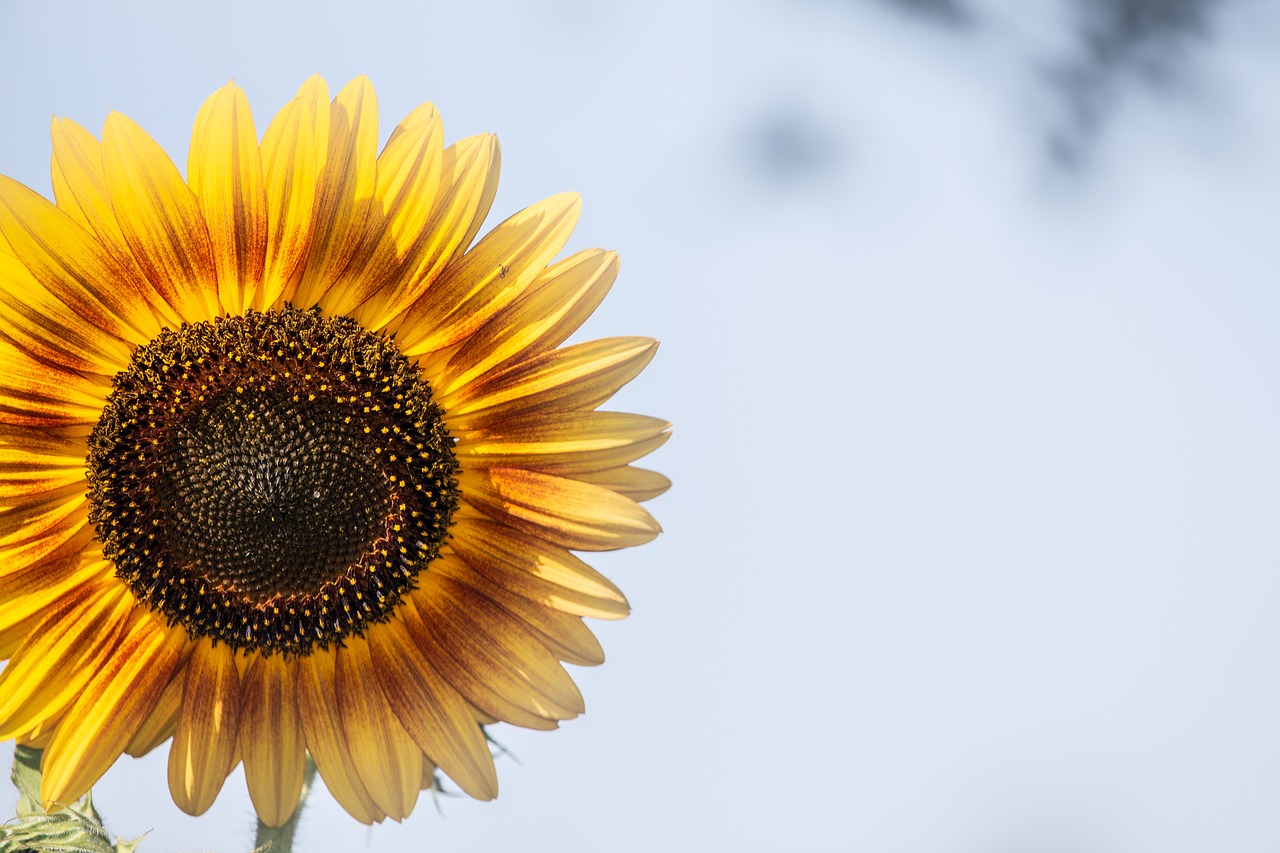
{"x":559,"y":301}
{"x":347,"y":189}
{"x":58,"y":658}
{"x":494,"y":700}
{"x":639,"y":484}
{"x":111,"y":708}
{"x":293,"y":154}
{"x":318,"y":706}
{"x":162,"y":722}
{"x":72,"y":265}
{"x":160,"y":218}
{"x":44,"y":589}
{"x":272,"y":744}
{"x":204,"y":744}
{"x":484,"y":639}
{"x":563,"y":634}
{"x":40,"y":736}
{"x":225,"y":173}
{"x":431,"y":711}
{"x":60,"y":542}
{"x":576,"y":515}
{"x":565,"y":442}
{"x":579,"y":377}
{"x":476,"y":286}
{"x":468,"y":181}
{"x":408,"y":181}
{"x":34,"y":518}
{"x":80,"y":188}
{"x":34,"y":461}
{"x":531,"y":567}
{"x":46,"y":581}
{"x":386,"y":759}
{"x":40,"y":323}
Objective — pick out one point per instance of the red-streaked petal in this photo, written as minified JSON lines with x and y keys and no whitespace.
{"x":385,"y":757}
{"x":225,"y":173}
{"x":293,"y":155}
{"x":431,"y":711}
{"x":73,"y":266}
{"x":534,"y":568}
{"x":559,"y":301}
{"x":565,"y":443}
{"x":639,"y":484}
{"x":111,"y":708}
{"x":346,"y":192}
{"x":272,"y":744}
{"x":578,"y":377}
{"x":56,"y":661}
{"x":478,"y":285}
{"x":204,"y":744}
{"x":318,"y":707}
{"x":570,"y":513}
{"x":408,"y":182}
{"x":483,"y":638}
{"x":160,"y":218}
{"x":468,"y":182}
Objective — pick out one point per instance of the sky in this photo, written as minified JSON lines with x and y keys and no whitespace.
{"x":968,"y":317}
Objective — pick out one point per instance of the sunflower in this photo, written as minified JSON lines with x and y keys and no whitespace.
{"x":288,"y":466}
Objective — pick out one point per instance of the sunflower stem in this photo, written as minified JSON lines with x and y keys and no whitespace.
{"x":280,"y":839}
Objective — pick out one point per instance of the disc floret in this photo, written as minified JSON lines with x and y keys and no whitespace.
{"x":275,"y":481}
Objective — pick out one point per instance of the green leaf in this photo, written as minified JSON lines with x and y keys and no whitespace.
{"x":76,"y":828}
{"x":26,"y":778}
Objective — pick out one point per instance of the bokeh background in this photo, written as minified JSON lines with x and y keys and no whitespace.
{"x":969,"y":315}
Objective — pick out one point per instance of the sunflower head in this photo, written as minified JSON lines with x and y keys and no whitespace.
{"x":291,"y":464}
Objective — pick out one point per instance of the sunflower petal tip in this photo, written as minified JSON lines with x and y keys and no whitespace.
{"x":361,"y":83}
{"x":114,"y":123}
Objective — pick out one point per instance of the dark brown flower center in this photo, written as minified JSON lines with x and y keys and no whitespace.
{"x":275,"y":481}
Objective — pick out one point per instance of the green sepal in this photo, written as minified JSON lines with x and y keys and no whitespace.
{"x":76,"y":828}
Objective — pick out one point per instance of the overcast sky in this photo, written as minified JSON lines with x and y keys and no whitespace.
{"x":968,"y":314}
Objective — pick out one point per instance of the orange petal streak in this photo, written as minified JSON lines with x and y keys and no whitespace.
{"x":204,"y":744}
{"x":160,"y":218}
{"x":225,"y":173}
{"x":578,"y":377}
{"x":111,"y":708}
{"x":272,"y":744}
{"x":576,"y":515}
{"x":385,"y":757}
{"x":58,"y":658}
{"x":433,"y":713}
{"x":318,"y":704}
{"x":293,"y":153}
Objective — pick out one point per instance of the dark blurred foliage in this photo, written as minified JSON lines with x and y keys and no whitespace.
{"x":1117,"y":43}
{"x":1149,"y":42}
{"x":1117,"y":50}
{"x":950,"y":12}
{"x":789,"y":145}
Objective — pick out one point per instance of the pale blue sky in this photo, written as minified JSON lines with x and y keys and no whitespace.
{"x":972,"y":546}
